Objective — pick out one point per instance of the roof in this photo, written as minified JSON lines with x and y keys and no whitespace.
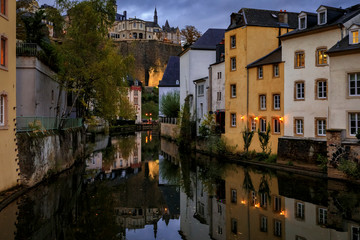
{"x":172,"y":73}
{"x":151,"y":24}
{"x":335,"y":17}
{"x":132,"y":82}
{"x":209,"y":39}
{"x":262,"y":18}
{"x":271,"y":58}
{"x":201,"y":79}
{"x":343,"y":46}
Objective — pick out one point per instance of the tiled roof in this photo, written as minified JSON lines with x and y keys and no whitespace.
{"x":151,"y":24}
{"x":273,"y":57}
{"x":263,"y":18}
{"x":209,"y":39}
{"x":172,"y":73}
{"x":334,"y":18}
{"x":343,"y":46}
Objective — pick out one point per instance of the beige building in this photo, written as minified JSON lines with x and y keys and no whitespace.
{"x":8,"y":148}
{"x":344,"y":93}
{"x":307,"y":74}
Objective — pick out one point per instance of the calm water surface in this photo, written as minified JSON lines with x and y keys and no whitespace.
{"x":141,"y":187}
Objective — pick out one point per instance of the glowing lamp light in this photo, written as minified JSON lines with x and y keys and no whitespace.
{"x":256,"y":118}
{"x":257,"y":205}
{"x":282,"y":213}
{"x":281,"y":119}
{"x":242,"y":117}
{"x":146,"y":114}
{"x":243,"y":202}
{"x":150,"y":114}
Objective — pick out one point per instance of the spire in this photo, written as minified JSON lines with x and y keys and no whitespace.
{"x":155,"y":17}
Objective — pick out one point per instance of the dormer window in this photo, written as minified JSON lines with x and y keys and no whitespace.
{"x":355,"y":37}
{"x":322,"y":17}
{"x":302,"y":22}
{"x":354,"y":34}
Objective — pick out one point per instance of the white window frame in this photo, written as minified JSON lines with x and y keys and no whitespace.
{"x":322,"y":89}
{"x":276,"y":70}
{"x":233,"y":63}
{"x":322,"y":216}
{"x":201,"y":90}
{"x":233,"y":119}
{"x":276,"y":101}
{"x":219,"y":75}
{"x":253,"y":124}
{"x":263,"y":224}
{"x":263,"y":200}
{"x":277,"y":228}
{"x":356,"y":123}
{"x":300,"y":210}
{"x":299,"y":126}
{"x":2,"y":110}
{"x":233,"y":41}
{"x":300,"y":90}
{"x":356,"y":86}
{"x":260,"y":72}
{"x":201,"y":110}
{"x":262,"y":99}
{"x":354,"y":37}
{"x":325,"y":17}
{"x":321,"y":127}
{"x":276,"y":126}
{"x":262,"y":124}
{"x":233,"y":90}
{"x":355,"y":235}
{"x":305,"y":22}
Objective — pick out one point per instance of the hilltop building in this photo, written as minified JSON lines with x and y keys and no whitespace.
{"x":127,"y":29}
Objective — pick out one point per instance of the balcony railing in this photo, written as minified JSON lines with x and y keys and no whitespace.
{"x":27,"y":49}
{"x":30,"y":124}
{"x":168,"y":120}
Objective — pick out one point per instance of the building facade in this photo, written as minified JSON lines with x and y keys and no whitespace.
{"x":242,"y":47}
{"x":8,"y":149}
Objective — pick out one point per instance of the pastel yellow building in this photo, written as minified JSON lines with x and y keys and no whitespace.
{"x":266,"y":99}
{"x":252,"y":34}
{"x":8,"y":149}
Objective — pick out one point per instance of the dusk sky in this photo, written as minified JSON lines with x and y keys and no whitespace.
{"x":204,"y":14}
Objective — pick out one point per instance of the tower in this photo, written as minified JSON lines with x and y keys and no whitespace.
{"x":155,"y":17}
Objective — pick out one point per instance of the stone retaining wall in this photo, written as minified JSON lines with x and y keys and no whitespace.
{"x":169,"y":130}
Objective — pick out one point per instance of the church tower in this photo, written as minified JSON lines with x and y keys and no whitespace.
{"x":155,"y":17}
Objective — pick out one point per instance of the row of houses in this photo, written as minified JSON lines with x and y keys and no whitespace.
{"x":297,"y":73}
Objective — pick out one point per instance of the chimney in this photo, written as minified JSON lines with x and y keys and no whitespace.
{"x":283,"y":17}
{"x":124,"y":14}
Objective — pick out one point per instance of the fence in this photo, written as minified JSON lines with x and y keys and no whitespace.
{"x":27,"y":49}
{"x":29,"y":124}
{"x":168,"y":120}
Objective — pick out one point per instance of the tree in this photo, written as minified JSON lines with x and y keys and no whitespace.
{"x":247,"y":137}
{"x":189,"y":35}
{"x":170,"y":104}
{"x":264,"y":138}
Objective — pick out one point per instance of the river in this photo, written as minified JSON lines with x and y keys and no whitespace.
{"x":141,"y":187}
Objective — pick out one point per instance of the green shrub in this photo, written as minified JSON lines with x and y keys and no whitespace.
{"x":322,"y":162}
{"x":290,"y":163}
{"x":271,"y":159}
{"x":247,"y":136}
{"x":350,"y":168}
{"x":264,"y":138}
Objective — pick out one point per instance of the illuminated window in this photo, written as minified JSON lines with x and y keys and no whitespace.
{"x":3,"y":7}
{"x":233,"y":41}
{"x":299,"y":59}
{"x":260,"y":72}
{"x":3,"y":52}
{"x":233,"y":63}
{"x":321,"y":56}
{"x":354,"y":84}
{"x":355,"y":37}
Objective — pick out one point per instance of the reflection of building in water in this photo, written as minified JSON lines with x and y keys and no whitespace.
{"x":94,"y":161}
{"x":218,"y":212}
{"x":137,"y":218}
{"x":128,"y":152}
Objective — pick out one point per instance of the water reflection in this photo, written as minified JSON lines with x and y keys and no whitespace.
{"x":141,"y":187}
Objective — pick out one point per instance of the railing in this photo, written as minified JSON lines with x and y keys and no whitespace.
{"x":168,"y":120}
{"x":30,"y":124}
{"x":27,"y":49}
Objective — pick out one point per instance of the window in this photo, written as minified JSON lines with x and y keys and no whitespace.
{"x":263,"y":224}
{"x":219,"y":75}
{"x":262,"y":101}
{"x":253,"y":198}
{"x":262,"y":125}
{"x":234,"y":225}
{"x":233,"y":196}
{"x":233,"y":90}
{"x":136,"y":93}
{"x":302,"y":23}
{"x":233,"y":41}
{"x":300,"y":210}
{"x":277,"y":228}
{"x":321,"y":89}
{"x":354,"y":123}
{"x":299,"y":126}
{"x":219,"y":209}
{"x":219,"y":96}
{"x":2,"y":110}
{"x":276,"y":101}
{"x":276,"y":70}
{"x":253,"y":124}
{"x":201,"y":90}
{"x":322,"y":216}
{"x":219,"y":230}
{"x":322,"y":18}
{"x":355,"y":37}
{"x":3,"y":7}
{"x":299,"y":59}
{"x":277,"y":204}
{"x":201,"y":110}
{"x":233,"y":63}
{"x":276,"y":125}
{"x":354,"y":84}
{"x":260,"y":72}
{"x":355,"y":233}
{"x":263,"y":200}
{"x":233,"y":119}
{"x":299,"y":90}
{"x":321,"y":57}
{"x":321,"y":127}
{"x":134,"y":25}
{"x":3,"y":52}
{"x":136,"y":102}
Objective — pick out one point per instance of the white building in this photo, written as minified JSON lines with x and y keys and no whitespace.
{"x":194,"y":65}
{"x":307,"y":74}
{"x":134,"y":96}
